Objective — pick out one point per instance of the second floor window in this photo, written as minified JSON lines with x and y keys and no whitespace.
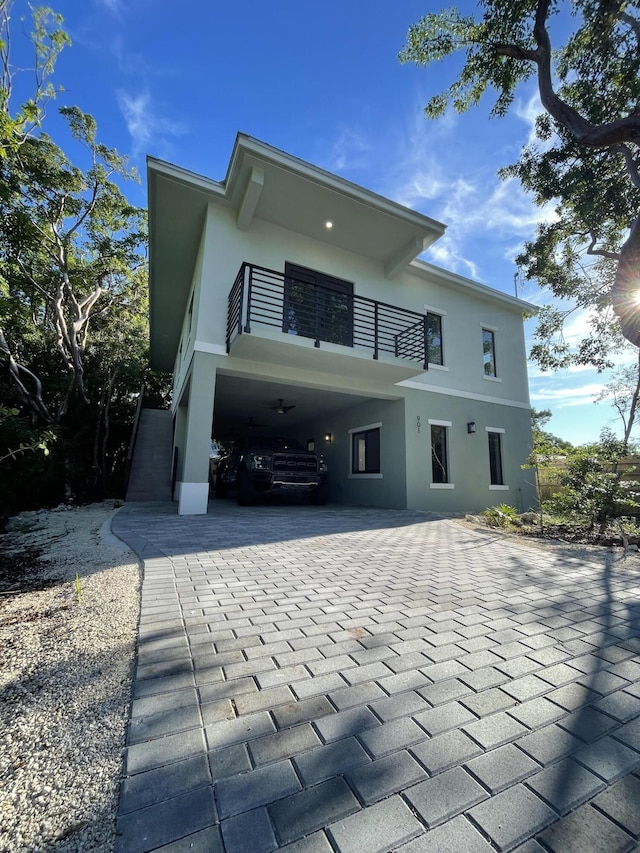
{"x":489,"y":352}
{"x":435,"y":353}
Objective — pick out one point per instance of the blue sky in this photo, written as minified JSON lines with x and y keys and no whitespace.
{"x":322,"y":82}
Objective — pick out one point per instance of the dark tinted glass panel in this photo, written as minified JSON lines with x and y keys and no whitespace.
{"x":439,"y":466}
{"x":317,"y":306}
{"x":489,"y":352}
{"x":495,"y":458}
{"x":434,"y":339}
{"x":365,"y":452}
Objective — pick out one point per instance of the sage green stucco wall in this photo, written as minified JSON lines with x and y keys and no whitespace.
{"x":465,"y":307}
{"x":386,"y":491}
{"x":468,"y":454}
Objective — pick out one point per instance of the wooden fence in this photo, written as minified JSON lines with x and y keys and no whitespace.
{"x":549,"y":477}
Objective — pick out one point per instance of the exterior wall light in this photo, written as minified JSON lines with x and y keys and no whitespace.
{"x":471,"y":427}
{"x":329,"y":438}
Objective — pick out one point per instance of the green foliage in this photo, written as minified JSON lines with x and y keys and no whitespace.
{"x":29,"y":468}
{"x":440,"y":35}
{"x":48,"y":39}
{"x":41,"y":443}
{"x":73,"y":294}
{"x":586,"y":62}
{"x":502,"y":515}
{"x":593,"y":490}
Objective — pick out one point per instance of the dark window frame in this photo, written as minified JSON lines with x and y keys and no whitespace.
{"x":440,"y":473}
{"x":489,"y":363}
{"x":371,"y":436}
{"x":496,"y":466}
{"x":437,"y":334}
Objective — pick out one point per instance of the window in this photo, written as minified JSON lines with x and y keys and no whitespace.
{"x":439,"y":454}
{"x":495,"y":458}
{"x":489,"y":352}
{"x":190,"y":314}
{"x":317,"y":305}
{"x":365,"y":450}
{"x":434,"y":339}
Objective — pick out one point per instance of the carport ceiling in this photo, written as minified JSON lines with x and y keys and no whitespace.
{"x":242,"y":404}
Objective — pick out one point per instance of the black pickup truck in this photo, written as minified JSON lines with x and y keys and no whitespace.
{"x":262,"y":465}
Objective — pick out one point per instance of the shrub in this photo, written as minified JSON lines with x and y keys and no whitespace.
{"x":502,"y":515}
{"x":593,"y":491}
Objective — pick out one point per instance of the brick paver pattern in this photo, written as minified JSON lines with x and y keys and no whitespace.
{"x":365,"y":681}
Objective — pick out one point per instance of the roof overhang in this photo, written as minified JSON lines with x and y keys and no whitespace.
{"x":264,"y":183}
{"x":451,"y":279}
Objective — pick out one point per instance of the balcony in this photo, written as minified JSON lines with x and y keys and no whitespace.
{"x":275,"y":318}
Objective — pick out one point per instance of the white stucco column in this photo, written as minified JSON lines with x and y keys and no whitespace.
{"x":179,"y":432}
{"x":192,"y":487}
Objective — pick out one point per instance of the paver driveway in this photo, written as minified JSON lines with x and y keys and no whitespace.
{"x":356,"y":680}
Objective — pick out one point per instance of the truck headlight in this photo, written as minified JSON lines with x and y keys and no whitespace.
{"x":257,"y":462}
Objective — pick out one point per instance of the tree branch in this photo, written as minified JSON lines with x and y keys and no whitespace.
{"x":32,"y":399}
{"x":601,"y":253}
{"x":630,"y":162}
{"x":622,"y":130}
{"x":632,"y":23}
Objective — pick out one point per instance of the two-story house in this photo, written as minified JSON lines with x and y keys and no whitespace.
{"x":288,"y":300}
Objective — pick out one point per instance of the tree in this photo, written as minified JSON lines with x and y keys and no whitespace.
{"x":624,"y":393}
{"x":70,"y":240}
{"x":73,"y":290}
{"x":552,"y":443}
{"x":593,"y":489}
{"x":588,"y":159}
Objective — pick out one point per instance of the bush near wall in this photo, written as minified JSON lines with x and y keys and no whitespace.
{"x":550,"y":476}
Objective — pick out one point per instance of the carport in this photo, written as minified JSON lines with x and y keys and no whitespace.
{"x":319,"y":417}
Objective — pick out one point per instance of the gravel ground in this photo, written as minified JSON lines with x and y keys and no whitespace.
{"x":66,"y":665}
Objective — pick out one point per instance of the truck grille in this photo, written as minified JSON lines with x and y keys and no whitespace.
{"x":282,"y":462}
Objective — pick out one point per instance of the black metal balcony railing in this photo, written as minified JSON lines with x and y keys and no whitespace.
{"x":322,"y":313}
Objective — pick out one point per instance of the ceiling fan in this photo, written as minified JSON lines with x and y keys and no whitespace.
{"x":279,"y":408}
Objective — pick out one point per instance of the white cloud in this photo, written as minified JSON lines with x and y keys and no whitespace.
{"x":135,"y":64}
{"x":145,"y":127}
{"x":528,"y":111}
{"x":426,"y":171}
{"x":348,"y":151}
{"x":492,"y":205}
{"x":116,"y":7}
{"x":566,"y":397}
{"x":446,"y":253}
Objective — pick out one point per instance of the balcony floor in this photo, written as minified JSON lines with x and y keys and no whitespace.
{"x":269,"y":345}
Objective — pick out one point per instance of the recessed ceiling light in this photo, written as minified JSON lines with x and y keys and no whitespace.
{"x":328,"y":224}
